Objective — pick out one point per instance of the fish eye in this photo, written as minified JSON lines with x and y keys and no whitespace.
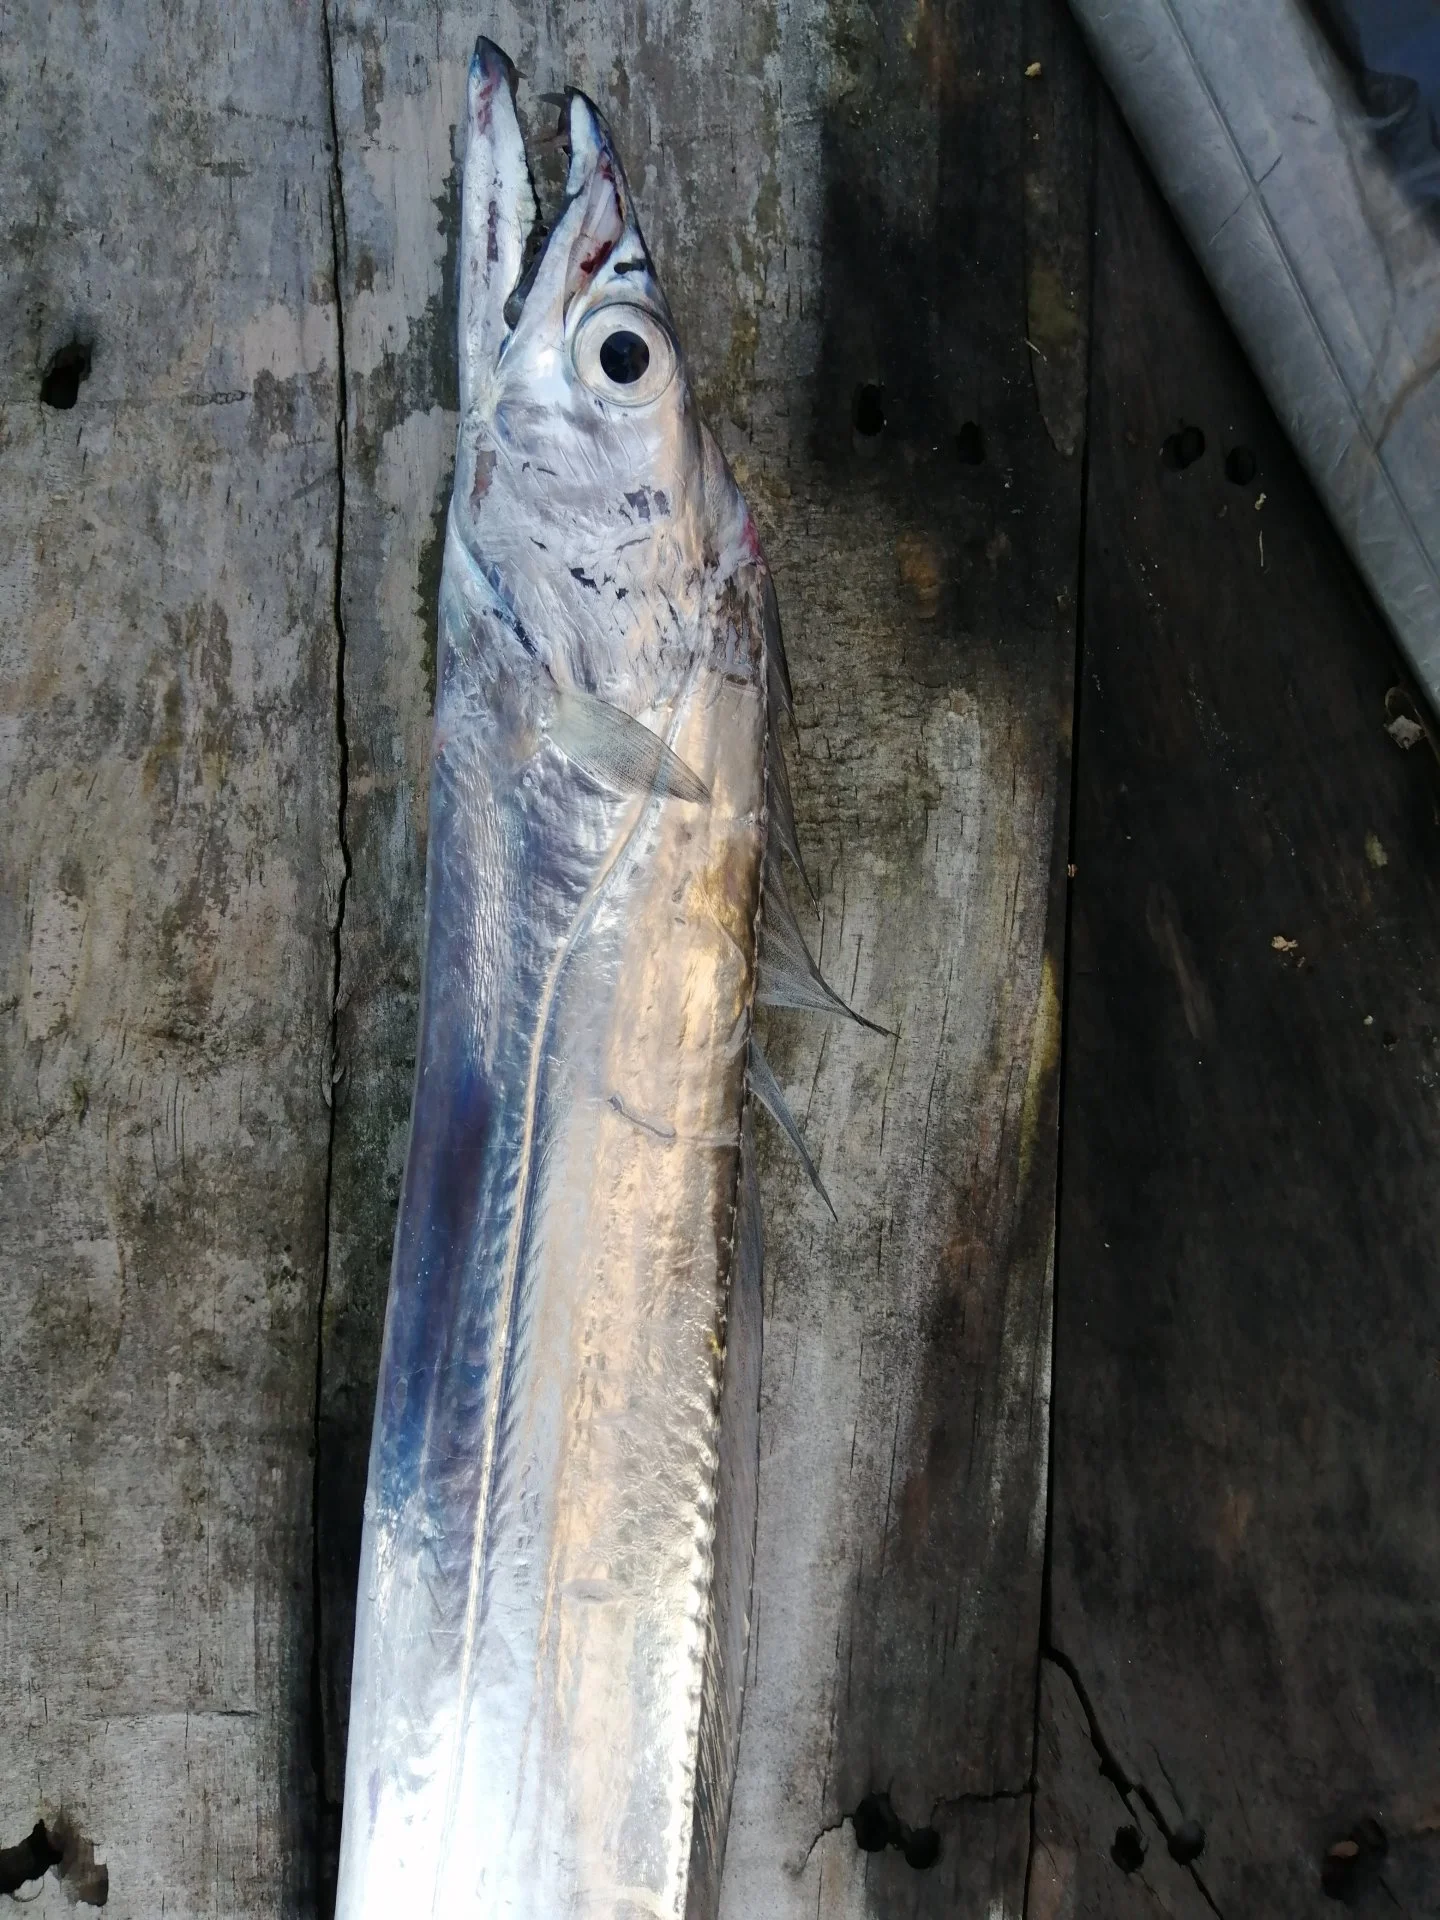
{"x":624,"y":357}
{"x":623,"y":354}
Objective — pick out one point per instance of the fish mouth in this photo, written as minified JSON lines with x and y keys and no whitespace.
{"x":594,"y":233}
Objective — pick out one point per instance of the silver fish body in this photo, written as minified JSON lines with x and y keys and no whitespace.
{"x":559,"y":1522}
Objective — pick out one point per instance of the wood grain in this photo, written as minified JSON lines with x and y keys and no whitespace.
{"x":169,"y":776}
{"x":866,"y":219}
{"x":1247,"y":1400}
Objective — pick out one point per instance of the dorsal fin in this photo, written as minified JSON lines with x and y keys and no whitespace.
{"x":777,"y":667}
{"x":766,"y":1090}
{"x":781,"y":807}
{"x":788,"y":975}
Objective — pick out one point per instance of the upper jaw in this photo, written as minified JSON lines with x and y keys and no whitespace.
{"x":596,"y":250}
{"x":497,"y":213}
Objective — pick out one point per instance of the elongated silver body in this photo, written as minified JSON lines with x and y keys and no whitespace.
{"x":559,"y":1524}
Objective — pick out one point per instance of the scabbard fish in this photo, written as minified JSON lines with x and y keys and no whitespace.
{"x":559,"y":1523}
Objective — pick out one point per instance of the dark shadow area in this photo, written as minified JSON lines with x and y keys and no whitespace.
{"x":56,"y":1847}
{"x":1244,"y":1540}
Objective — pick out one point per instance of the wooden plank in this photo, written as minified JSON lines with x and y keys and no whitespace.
{"x":1247,"y":1410}
{"x":170,"y":802}
{"x":837,"y":201}
{"x":904,"y":1410}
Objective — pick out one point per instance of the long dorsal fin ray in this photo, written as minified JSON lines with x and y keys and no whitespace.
{"x":766,"y":1090}
{"x":781,"y":807}
{"x":788,"y":975}
{"x":750,"y":1219}
{"x":777,"y":667}
{"x":618,"y":750}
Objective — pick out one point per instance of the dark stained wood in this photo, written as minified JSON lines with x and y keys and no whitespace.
{"x":1096,"y":1850}
{"x":1246,"y":1532}
{"x":931,"y":613}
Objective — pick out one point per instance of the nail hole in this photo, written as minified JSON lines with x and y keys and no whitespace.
{"x":970,"y":444}
{"x":874,"y":1823}
{"x":868,"y":412}
{"x":1350,"y":1863}
{"x":60,"y":386}
{"x":877,"y":1826}
{"x":1240,"y":466}
{"x":1337,"y":1875}
{"x":922,"y":1848}
{"x":1183,"y":449}
{"x":1127,"y":1849}
{"x":1187,"y":1842}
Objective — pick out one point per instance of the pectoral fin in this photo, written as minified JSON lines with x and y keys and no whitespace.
{"x":619,"y":751}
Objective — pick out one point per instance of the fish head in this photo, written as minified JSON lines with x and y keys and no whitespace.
{"x":581,"y":454}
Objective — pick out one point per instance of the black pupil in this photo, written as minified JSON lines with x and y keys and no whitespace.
{"x":624,"y":357}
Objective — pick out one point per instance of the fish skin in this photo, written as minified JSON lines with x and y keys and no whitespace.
{"x":554,"y":1587}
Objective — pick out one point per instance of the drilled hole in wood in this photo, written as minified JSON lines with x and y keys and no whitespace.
{"x":1127,"y":1849}
{"x":868,"y":411}
{"x":60,"y":383}
{"x":970,"y":444}
{"x":922,"y":1848}
{"x":1187,"y":1842}
{"x":874,"y":1823}
{"x":877,"y":1826}
{"x":1183,"y":448}
{"x":1240,"y":466}
{"x":1350,"y":1864}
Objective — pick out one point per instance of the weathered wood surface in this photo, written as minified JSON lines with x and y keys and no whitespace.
{"x":1240,"y":1620}
{"x":1246,"y":1548}
{"x":168,"y":768}
{"x":837,"y":199}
